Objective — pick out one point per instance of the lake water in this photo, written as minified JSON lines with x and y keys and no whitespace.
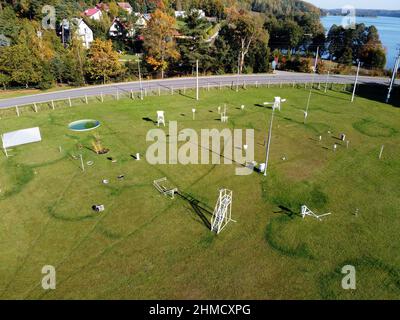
{"x":388,"y":27}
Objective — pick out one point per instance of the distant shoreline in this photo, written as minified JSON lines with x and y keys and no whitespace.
{"x":363,"y":13}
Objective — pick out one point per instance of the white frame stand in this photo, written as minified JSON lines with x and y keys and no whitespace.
{"x":160,"y":118}
{"x":305,"y":211}
{"x":161,"y":186}
{"x":276,"y":104}
{"x":223,"y":211}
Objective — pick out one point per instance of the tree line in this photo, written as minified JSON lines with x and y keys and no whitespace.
{"x":243,"y":36}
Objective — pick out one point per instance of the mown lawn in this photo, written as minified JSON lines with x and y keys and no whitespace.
{"x":147,"y":246}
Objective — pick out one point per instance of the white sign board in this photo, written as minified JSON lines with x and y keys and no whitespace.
{"x":19,"y":137}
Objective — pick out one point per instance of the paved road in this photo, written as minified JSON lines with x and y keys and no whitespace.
{"x":180,"y":83}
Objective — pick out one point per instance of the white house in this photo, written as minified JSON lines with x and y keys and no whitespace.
{"x":83,"y":32}
{"x":93,"y":13}
{"x":183,"y":14}
{"x":118,"y":28}
{"x":142,"y":20}
{"x":180,"y":14}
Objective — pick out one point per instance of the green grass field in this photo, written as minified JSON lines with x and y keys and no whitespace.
{"x":147,"y":246}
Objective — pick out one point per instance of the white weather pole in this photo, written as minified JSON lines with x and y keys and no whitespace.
{"x":197,"y":80}
{"x":140,"y":81}
{"x":392,"y":81}
{"x":309,"y":96}
{"x":269,"y":142}
{"x":83,"y":167}
{"x":355,"y":83}
{"x":238,"y":74}
{"x":5,"y":149}
{"x":327,"y":81}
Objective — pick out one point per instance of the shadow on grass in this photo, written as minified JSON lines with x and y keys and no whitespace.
{"x":199,"y":208}
{"x":149,"y":120}
{"x":378,"y":92}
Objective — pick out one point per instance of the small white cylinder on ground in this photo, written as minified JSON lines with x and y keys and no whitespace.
{"x":83,"y":166}
{"x":380,"y":153}
{"x":137,"y":156}
{"x":194,"y":112}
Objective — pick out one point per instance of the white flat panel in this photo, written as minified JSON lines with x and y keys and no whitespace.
{"x":19,"y":137}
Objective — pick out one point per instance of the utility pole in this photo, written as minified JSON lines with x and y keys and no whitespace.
{"x":316,"y":60}
{"x":140,"y":81}
{"x":355,"y":84}
{"x":269,"y":142}
{"x":197,"y":80}
{"x":393,"y":80}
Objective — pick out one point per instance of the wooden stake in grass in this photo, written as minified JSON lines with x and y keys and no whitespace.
{"x":17,"y":110}
{"x":86,"y":99}
{"x":380,"y":153}
{"x":52,"y":104}
{"x":70,"y":102}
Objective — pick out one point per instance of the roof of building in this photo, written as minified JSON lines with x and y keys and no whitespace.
{"x":91,"y":11}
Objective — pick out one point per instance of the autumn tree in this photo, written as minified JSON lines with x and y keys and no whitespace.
{"x":21,"y":67}
{"x":244,"y":30}
{"x":159,"y":41}
{"x":103,"y":62}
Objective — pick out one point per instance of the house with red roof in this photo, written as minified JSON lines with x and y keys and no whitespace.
{"x":93,"y":13}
